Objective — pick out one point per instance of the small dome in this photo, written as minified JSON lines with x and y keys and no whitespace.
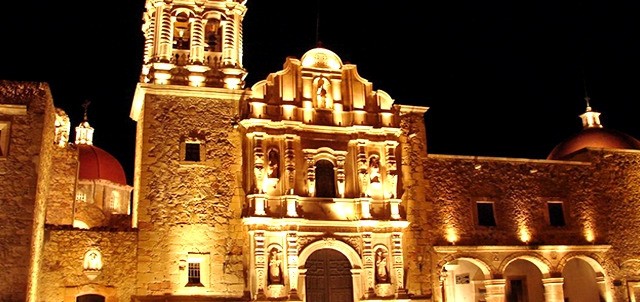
{"x":594,"y":138}
{"x":96,"y":163}
{"x":321,"y":58}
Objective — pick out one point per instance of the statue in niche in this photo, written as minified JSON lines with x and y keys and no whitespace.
{"x":273,"y":170}
{"x":382,"y":272}
{"x":275,"y":267}
{"x":321,"y":93}
{"x":374,"y":169}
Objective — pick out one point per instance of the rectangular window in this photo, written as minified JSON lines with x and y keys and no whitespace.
{"x":192,"y":152}
{"x":115,"y":201}
{"x":485,"y":213}
{"x":194,"y":274}
{"x":556,"y":213}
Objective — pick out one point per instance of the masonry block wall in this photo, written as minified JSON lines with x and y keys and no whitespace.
{"x":190,"y":209}
{"x":63,"y":276}
{"x":28,"y":107}
{"x":419,"y":210}
{"x":61,"y":197}
{"x":618,"y":177}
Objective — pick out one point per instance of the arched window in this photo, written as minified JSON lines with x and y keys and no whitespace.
{"x":212,"y":35}
{"x":325,"y":179}
{"x":181,"y":32}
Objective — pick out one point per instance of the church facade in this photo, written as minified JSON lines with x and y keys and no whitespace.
{"x":310,"y":185}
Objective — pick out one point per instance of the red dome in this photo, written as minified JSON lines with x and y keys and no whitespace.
{"x":594,"y":138}
{"x":96,"y":163}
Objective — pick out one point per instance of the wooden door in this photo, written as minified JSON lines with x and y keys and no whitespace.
{"x":328,"y":277}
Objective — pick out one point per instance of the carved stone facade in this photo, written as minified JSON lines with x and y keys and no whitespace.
{"x":310,"y":175}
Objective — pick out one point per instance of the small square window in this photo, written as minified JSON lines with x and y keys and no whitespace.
{"x":486,"y":216}
{"x":192,"y":151}
{"x":81,"y":196}
{"x":4,"y":138}
{"x":194,"y":274}
{"x":556,"y":213}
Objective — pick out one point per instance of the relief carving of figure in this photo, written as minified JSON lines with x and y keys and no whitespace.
{"x":92,"y":261}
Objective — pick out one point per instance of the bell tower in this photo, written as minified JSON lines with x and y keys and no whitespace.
{"x":193,"y":42}
{"x":187,"y":199}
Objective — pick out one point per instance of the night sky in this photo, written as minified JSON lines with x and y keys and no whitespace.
{"x":501,"y":78}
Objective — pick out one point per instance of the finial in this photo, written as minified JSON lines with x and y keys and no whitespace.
{"x":318,"y":22}
{"x":587,"y":99}
{"x":85,"y":105}
{"x":586,"y":94}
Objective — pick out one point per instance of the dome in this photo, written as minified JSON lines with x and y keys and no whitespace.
{"x":593,"y":135}
{"x":321,"y":58}
{"x":594,"y":138}
{"x":96,"y":163}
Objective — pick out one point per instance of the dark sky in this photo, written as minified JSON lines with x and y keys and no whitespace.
{"x":501,"y":78}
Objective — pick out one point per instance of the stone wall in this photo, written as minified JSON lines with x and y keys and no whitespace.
{"x":519,"y":189}
{"x":63,"y":277}
{"x":19,"y":183}
{"x":618,"y":177}
{"x":62,"y":187}
{"x":190,"y":207}
{"x":418,"y":208}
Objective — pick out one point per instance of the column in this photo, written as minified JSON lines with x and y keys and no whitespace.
{"x":363,"y":176}
{"x":196,"y":67}
{"x":553,"y":289}
{"x":258,"y":162}
{"x":398,"y":262}
{"x":311,"y":176}
{"x":449,"y":281}
{"x":602,"y":286}
{"x":391,"y":175}
{"x":290,"y":165}
{"x":165,"y":33}
{"x":495,"y":290}
{"x":149,"y":28}
{"x":367,"y":255}
{"x":340,"y":177}
{"x":292,"y":264}
{"x":260,"y":261}
{"x":196,"y":51}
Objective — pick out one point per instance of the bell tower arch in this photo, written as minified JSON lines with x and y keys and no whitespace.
{"x":193,"y":43}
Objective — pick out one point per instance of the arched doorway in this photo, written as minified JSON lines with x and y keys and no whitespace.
{"x":580,"y":282}
{"x":523,"y":282}
{"x":328,"y":277}
{"x":464,"y":280}
{"x":90,"y":298}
